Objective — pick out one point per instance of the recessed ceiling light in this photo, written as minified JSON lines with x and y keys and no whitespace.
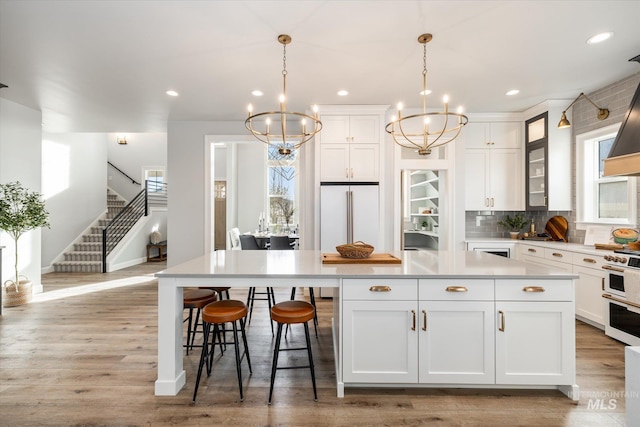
{"x":513,"y":92}
{"x":598,"y":38}
{"x":171,"y":93}
{"x":343,"y":92}
{"x":256,"y":92}
{"x":425,"y":92}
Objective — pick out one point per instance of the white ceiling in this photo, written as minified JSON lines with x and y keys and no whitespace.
{"x":104,"y":66}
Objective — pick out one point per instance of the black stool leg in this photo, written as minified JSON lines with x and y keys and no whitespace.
{"x":274,"y":366}
{"x":272,"y":301}
{"x":313,"y":372}
{"x":246,"y":346}
{"x":312,"y":298}
{"x":195,"y":329}
{"x":250,"y":298}
{"x":203,"y":358}
{"x":237,"y":348}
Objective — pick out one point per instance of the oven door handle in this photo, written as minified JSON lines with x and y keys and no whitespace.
{"x":608,"y":267}
{"x":608,"y":296}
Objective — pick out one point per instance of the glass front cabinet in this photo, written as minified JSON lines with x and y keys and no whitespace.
{"x":536,"y":158}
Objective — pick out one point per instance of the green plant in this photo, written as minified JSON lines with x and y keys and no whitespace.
{"x":424,"y":224}
{"x":21,"y":210}
{"x":514,"y":223}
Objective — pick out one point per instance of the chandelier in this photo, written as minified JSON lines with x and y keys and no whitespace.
{"x":413,"y":131}
{"x":285,"y":139}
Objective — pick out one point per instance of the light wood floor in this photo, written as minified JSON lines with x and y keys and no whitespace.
{"x":84,"y":353}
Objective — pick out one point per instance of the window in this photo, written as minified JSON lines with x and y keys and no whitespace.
{"x":154,"y":179}
{"x":281,"y":180}
{"x":600,"y":199}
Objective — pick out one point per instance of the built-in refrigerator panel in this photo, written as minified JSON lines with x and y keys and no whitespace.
{"x":348,"y":213}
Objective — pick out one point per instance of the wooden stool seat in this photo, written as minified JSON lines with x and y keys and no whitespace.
{"x":195,"y":299}
{"x":224,"y":311}
{"x":198,"y":298}
{"x":289,"y":312}
{"x":219,"y":290}
{"x":215,"y":315}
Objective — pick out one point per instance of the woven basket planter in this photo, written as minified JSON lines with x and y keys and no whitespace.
{"x":13,"y":298}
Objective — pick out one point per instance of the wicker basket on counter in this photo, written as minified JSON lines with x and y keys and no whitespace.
{"x":355,"y":250}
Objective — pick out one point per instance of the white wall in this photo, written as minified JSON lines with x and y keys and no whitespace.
{"x":252,"y":184}
{"x":74,"y":174}
{"x":20,"y":160}
{"x":186,"y":175}
{"x":143,"y":150}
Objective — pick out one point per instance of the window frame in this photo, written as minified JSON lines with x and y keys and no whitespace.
{"x":274,"y":163}
{"x":587,"y":180}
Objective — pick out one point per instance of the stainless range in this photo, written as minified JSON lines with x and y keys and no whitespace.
{"x":622,"y":317}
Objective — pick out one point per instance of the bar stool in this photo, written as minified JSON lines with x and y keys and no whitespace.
{"x":222,"y":291}
{"x":269,"y":296}
{"x":289,"y":313}
{"x":195,"y":299}
{"x":312,"y":299}
{"x":216,"y":314}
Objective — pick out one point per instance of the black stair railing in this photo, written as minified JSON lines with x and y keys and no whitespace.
{"x":133,"y":181}
{"x":153,"y":195}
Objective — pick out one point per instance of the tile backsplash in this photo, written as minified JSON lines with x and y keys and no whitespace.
{"x":481,"y":224}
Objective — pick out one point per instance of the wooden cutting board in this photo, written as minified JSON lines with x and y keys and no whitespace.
{"x":556,"y":228}
{"x":381,"y":258}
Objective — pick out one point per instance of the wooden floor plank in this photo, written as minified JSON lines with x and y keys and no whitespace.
{"x":85,"y":353}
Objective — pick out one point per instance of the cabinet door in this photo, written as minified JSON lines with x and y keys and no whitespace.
{"x":535,"y":343}
{"x":466,"y":359}
{"x":505,"y":135}
{"x":380,"y":342}
{"x":505,"y":180}
{"x":589,"y":287}
{"x":537,"y":185}
{"x":364,"y":129}
{"x":363,"y":162}
{"x":476,"y":135}
{"x":476,"y":180}
{"x":334,"y":162}
{"x":335,"y":129}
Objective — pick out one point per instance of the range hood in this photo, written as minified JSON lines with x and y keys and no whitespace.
{"x":624,"y":158}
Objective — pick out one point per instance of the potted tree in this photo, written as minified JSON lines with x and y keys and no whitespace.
{"x":21,"y":210}
{"x":514,"y":224}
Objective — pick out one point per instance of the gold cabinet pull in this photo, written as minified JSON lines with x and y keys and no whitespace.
{"x":456,"y":289}
{"x":533,"y":289}
{"x":532,"y":250}
{"x":380,"y":289}
{"x":557,"y":254}
{"x":413,"y":326}
{"x":424,"y":318}
{"x":501,"y":327}
{"x":608,"y":267}
{"x":591,"y":260}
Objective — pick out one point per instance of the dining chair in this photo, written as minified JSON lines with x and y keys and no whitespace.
{"x":280,"y":243}
{"x":234,"y":238}
{"x":249,"y":242}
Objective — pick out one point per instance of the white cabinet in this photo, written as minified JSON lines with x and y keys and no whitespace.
{"x":462,"y":309}
{"x":590,"y":306}
{"x":493,"y":135}
{"x":380,"y":331}
{"x":350,"y":148}
{"x":535,"y":341}
{"x":493,"y":166}
{"x":349,"y":162}
{"x":493,"y":179}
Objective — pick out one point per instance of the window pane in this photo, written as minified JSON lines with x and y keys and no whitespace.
{"x":604,"y":147}
{"x":612,"y":199}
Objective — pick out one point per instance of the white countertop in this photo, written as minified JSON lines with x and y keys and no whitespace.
{"x":572,"y":247}
{"x":308,"y":264}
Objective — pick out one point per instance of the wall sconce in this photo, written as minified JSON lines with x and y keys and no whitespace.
{"x":603,"y":113}
{"x":122,"y":140}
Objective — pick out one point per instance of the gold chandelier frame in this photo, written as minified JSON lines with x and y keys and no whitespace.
{"x":285,"y":143}
{"x":427,"y":139}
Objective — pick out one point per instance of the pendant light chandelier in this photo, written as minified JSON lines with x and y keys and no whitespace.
{"x":413,"y":131}
{"x":299,"y":132}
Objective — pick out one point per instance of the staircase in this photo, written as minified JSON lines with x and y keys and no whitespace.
{"x":86,"y":256}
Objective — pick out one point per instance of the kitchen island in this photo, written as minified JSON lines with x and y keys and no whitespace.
{"x":438,"y":319}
